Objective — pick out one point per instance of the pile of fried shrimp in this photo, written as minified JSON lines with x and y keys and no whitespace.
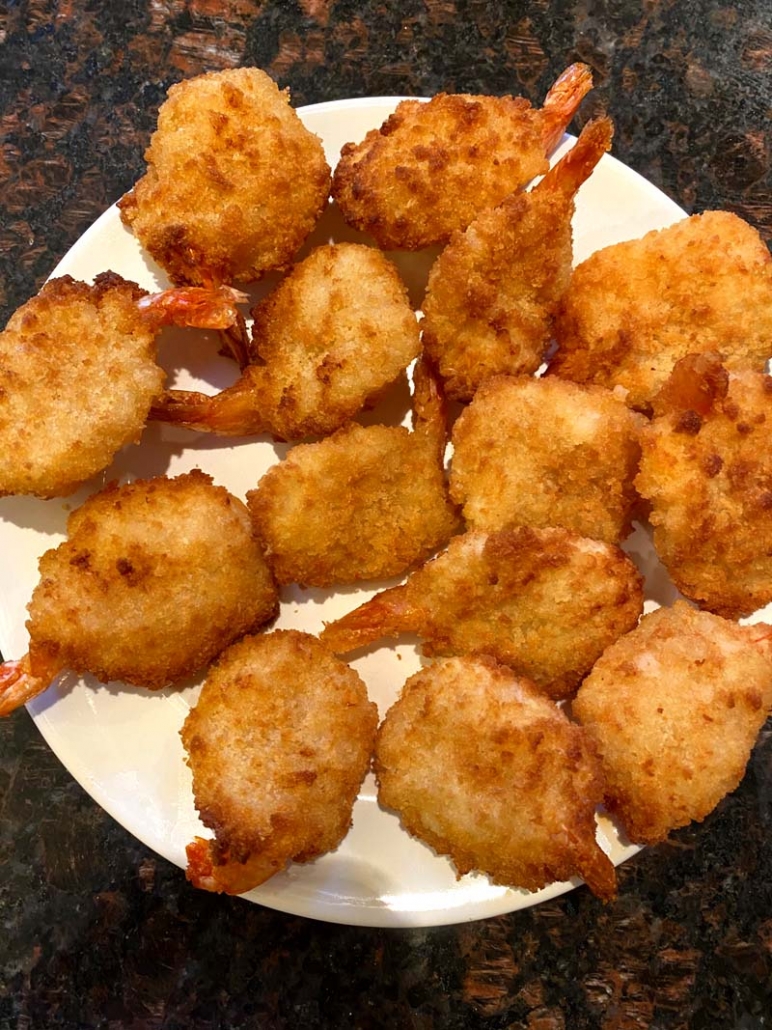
{"x":556,"y":409}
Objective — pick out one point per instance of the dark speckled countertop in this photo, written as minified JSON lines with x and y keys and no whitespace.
{"x":97,"y":931}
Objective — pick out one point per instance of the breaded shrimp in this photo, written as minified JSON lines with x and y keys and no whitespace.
{"x":493,"y":292}
{"x":675,"y":708}
{"x":332,"y":336}
{"x":365,"y":503}
{"x":486,"y":770}
{"x":633,"y":309}
{"x":544,"y":601}
{"x":432,"y":167}
{"x":706,"y":468}
{"x":541,"y":452}
{"x":155,"y":578}
{"x":278,"y":743}
{"x":234,"y":181}
{"x":78,"y":375}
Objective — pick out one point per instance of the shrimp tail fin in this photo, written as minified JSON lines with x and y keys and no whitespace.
{"x":200,"y":307}
{"x":18,"y":685}
{"x":233,"y":412}
{"x":562,"y":102}
{"x":386,"y":615}
{"x":576,"y":166}
{"x":430,"y":416}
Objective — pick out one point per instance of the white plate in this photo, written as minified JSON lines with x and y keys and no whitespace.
{"x":123,"y":744}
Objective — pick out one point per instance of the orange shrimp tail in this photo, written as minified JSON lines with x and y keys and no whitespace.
{"x":18,"y":685}
{"x":387,"y":615}
{"x":562,"y":101}
{"x":430,"y":417}
{"x":200,"y":871}
{"x":226,"y":877}
{"x":198,"y":307}
{"x":575,"y":167}
{"x":233,"y":412}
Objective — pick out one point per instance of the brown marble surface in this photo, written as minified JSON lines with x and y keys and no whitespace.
{"x":97,"y":931}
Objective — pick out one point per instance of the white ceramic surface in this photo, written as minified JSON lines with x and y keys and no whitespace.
{"x":123,"y":744}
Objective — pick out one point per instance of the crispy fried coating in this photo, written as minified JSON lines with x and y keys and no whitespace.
{"x":155,"y":578}
{"x":278,"y":743}
{"x":544,"y":601}
{"x":234,"y":180}
{"x":633,"y":309}
{"x":541,"y":452}
{"x":432,"y":167}
{"x":484,"y":769}
{"x":78,"y":374}
{"x":365,"y":503}
{"x":332,"y":336}
{"x":675,"y":708}
{"x":706,"y":468}
{"x":493,"y":291}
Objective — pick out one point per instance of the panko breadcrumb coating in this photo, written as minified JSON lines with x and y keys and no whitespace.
{"x":155,"y":578}
{"x":78,"y":375}
{"x":332,"y":336}
{"x":432,"y":167}
{"x":633,"y":309}
{"x":234,"y":181}
{"x":365,"y":503}
{"x":675,"y":708}
{"x":544,"y":601}
{"x":279,"y":742}
{"x":546,"y":452}
{"x":493,"y":291}
{"x":485,"y":770}
{"x":706,"y":469}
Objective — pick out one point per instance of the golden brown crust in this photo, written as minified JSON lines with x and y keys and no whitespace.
{"x":485,"y":770}
{"x":675,"y":708}
{"x":366,"y":503}
{"x":708,"y":476}
{"x":544,"y":601}
{"x":279,"y":742}
{"x":544,"y":452}
{"x":333,"y":335}
{"x":155,"y":579}
{"x":234,"y":182}
{"x":78,"y":375}
{"x":493,"y":291}
{"x":633,"y":309}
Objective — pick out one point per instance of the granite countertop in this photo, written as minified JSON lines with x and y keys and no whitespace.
{"x":98,"y":931}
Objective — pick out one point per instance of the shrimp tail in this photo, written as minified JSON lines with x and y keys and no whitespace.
{"x":198,"y":307}
{"x":562,"y":102}
{"x":386,"y":615}
{"x":430,"y":417}
{"x":232,"y":412}
{"x":575,"y":167}
{"x":209,"y":871}
{"x":18,"y":685}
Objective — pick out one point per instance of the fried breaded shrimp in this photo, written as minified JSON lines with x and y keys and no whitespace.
{"x":487,"y":771}
{"x":544,"y":601}
{"x":278,"y":743}
{"x":706,"y":468}
{"x":78,"y":375}
{"x":493,"y":291}
{"x":332,"y":336}
{"x":234,"y":181}
{"x":633,"y":309}
{"x":542,"y":452}
{"x":365,"y":503}
{"x":432,"y":167}
{"x":675,"y":708}
{"x":155,"y":578}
